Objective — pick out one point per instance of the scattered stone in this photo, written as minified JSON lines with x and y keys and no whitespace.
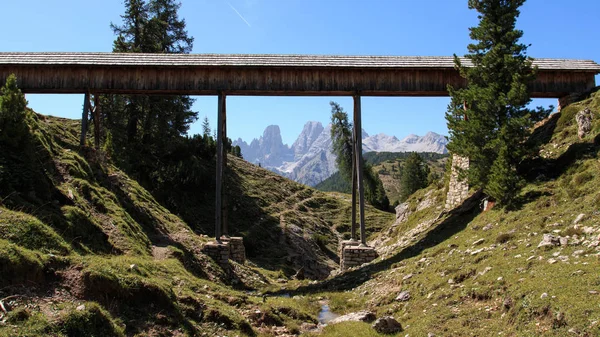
{"x":387,"y":325}
{"x":475,"y":252}
{"x":80,"y":308}
{"x":487,"y":227}
{"x":450,"y":281}
{"x":430,"y":334}
{"x":134,"y":267}
{"x":544,"y":295}
{"x":563,"y":241}
{"x":593,"y":292}
{"x":589,"y":230}
{"x":549,"y":240}
{"x":579,"y":218}
{"x":578,"y":252}
{"x":531,"y":258}
{"x":406,"y":277}
{"x":478,"y":242}
{"x":584,"y":122}
{"x":361,"y":316}
{"x":551,"y":261}
{"x":500,"y":278}
{"x":403,"y":296}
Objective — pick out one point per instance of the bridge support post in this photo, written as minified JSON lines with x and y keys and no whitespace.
{"x":84,"y":119}
{"x":353,"y":227}
{"x":359,"y":166}
{"x":219,"y":173}
{"x":96,"y":116}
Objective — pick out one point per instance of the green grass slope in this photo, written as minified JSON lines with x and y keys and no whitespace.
{"x":87,"y":251}
{"x":474,"y":273}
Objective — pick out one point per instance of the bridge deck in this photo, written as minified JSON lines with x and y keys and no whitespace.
{"x":207,"y":74}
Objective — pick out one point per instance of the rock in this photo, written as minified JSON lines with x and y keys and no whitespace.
{"x":308,"y":327}
{"x":584,"y":122}
{"x":478,"y":242}
{"x":578,"y":252}
{"x":402,"y":212}
{"x":403,"y":296}
{"x":450,"y":281}
{"x":588,"y":230}
{"x":549,"y":240}
{"x":430,"y":334}
{"x":80,"y":308}
{"x":544,"y":295}
{"x":563,"y":241}
{"x":487,"y":227}
{"x":551,"y":261}
{"x":579,"y":218}
{"x":361,"y":316}
{"x":406,"y":277}
{"x":387,"y":325}
{"x":134,"y":267}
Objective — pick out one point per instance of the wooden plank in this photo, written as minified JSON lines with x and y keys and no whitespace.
{"x":353,"y":228}
{"x":359,"y":166}
{"x":219,"y":174}
{"x":84,"y":119}
{"x":225,"y":214}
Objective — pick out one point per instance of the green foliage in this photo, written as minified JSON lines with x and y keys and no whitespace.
{"x":342,"y":138}
{"x":335,"y":183}
{"x":415,"y":176}
{"x":13,"y":128}
{"x":490,"y":115}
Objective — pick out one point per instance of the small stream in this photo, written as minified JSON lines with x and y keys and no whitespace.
{"x":325,"y":315}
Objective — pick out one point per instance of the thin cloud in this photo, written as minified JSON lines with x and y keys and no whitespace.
{"x":238,"y":13}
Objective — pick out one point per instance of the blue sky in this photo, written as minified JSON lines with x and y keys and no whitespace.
{"x":554,"y":28}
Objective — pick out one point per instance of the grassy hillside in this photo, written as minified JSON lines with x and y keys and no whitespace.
{"x":85,"y":250}
{"x":474,"y":273}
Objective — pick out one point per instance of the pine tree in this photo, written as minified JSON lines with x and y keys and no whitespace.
{"x":13,"y":127}
{"x":205,"y":127}
{"x":341,"y":137}
{"x":490,"y":115}
{"x":149,"y":127}
{"x":414,"y":176}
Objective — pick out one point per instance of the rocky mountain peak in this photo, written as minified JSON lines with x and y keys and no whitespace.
{"x":307,"y":137}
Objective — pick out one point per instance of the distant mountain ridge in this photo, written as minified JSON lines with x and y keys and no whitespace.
{"x":310,"y":159}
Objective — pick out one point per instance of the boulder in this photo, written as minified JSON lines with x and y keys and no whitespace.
{"x":549,"y":240}
{"x":361,"y":316}
{"x":403,"y":296}
{"x":387,"y":325}
{"x":584,"y":122}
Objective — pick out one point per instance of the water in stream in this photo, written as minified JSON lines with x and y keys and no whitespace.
{"x":325,"y":315}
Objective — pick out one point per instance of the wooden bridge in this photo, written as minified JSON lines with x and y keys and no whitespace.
{"x":268,"y":75}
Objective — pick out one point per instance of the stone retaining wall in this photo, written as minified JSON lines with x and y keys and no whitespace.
{"x":458,"y":190}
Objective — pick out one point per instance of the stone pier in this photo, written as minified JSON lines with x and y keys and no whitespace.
{"x":353,"y":254}
{"x":237,"y":251}
{"x":218,"y":252}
